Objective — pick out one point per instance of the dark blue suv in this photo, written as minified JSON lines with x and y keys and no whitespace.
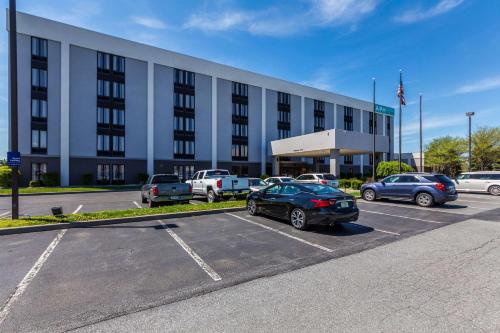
{"x":426,"y":189}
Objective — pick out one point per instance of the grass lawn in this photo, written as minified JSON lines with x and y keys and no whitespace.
{"x":356,"y":193}
{"x":28,"y":190}
{"x":110,"y":214}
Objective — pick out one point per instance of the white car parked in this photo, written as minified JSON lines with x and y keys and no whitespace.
{"x":478,"y":181}
{"x":277,"y":180}
{"x":321,"y":178}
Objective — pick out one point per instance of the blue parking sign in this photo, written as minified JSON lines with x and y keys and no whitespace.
{"x":13,"y":158}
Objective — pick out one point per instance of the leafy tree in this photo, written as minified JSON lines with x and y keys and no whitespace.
{"x":486,"y":148}
{"x":5,"y":176}
{"x":385,"y":169}
{"x":445,"y":154}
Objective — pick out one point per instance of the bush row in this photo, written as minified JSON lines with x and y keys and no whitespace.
{"x":352,"y":183}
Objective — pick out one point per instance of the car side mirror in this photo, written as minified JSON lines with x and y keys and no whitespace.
{"x":382,"y":182}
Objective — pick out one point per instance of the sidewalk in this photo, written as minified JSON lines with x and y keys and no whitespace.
{"x":445,"y":280}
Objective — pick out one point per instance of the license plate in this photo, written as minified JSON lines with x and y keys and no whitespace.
{"x":175,"y":197}
{"x":344,"y":204}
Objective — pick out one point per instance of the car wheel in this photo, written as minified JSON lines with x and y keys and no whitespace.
{"x":211,"y":197}
{"x":424,"y":200}
{"x":143,"y":199}
{"x":298,"y":219}
{"x":369,"y":195}
{"x":494,"y":190}
{"x":252,"y":207}
{"x":151,"y":203}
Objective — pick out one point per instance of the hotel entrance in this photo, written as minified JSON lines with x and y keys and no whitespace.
{"x":292,"y":168}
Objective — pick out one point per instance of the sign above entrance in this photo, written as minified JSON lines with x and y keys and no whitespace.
{"x":384,"y":110}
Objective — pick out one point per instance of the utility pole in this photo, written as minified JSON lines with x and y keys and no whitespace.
{"x":421,"y":151}
{"x":13,"y":105}
{"x":469,"y":115}
{"x":400,"y":114}
{"x":374,"y":167}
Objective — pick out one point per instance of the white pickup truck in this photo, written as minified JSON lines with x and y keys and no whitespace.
{"x":217,"y":184}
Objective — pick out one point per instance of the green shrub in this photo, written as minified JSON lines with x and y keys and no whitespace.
{"x":264,"y":176}
{"x":5,"y":176}
{"x":344,"y":183}
{"x":35,"y":183}
{"x":87,"y":178}
{"x":142,"y":177}
{"x":385,"y":169}
{"x":50,"y":179}
{"x":355,"y":184}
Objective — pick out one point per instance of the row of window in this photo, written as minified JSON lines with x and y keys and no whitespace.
{"x":283,"y":133}
{"x":39,"y":78}
{"x":283,"y":98}
{"x":239,"y":151}
{"x":39,"y":139}
{"x":110,"y":172}
{"x":182,"y":77}
{"x":283,"y":116}
{"x":183,"y":147}
{"x":39,"y":47}
{"x":183,"y":100}
{"x":104,"y":89}
{"x":106,"y":117}
{"x":105,"y":142}
{"x":38,"y":108}
{"x":240,"y":130}
{"x":240,"y":89}
{"x":184,"y":171}
{"x":106,"y":61}
{"x":185,"y":124}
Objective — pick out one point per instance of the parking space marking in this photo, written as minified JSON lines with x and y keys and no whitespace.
{"x":77,"y":209}
{"x":283,"y":233}
{"x":6,"y":213}
{"x":23,"y":285}
{"x":401,"y":216}
{"x":387,"y":232}
{"x":450,"y":211}
{"x":213,"y":274}
{"x":136,"y":204}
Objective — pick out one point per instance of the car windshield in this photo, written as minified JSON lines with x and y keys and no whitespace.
{"x":216,"y":173}
{"x":439,"y":179}
{"x":329,"y":177}
{"x":321,"y":189}
{"x":257,"y":182}
{"x":165,"y":179}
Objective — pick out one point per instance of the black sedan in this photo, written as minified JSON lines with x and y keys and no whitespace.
{"x":304,"y":204}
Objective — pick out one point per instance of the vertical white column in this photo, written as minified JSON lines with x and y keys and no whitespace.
{"x":362,"y":127}
{"x":384,"y":133}
{"x":150,"y":118}
{"x":334,"y":162}
{"x":335,"y":120}
{"x":64,"y":157}
{"x":214,"y":122}
{"x":302,"y":115}
{"x":361,"y":157}
{"x":263,"y":142}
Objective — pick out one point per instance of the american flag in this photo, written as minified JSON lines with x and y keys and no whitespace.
{"x":401,"y":91}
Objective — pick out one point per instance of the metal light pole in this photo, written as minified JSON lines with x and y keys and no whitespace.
{"x":374,"y":167}
{"x":421,"y":151}
{"x":400,"y":122}
{"x":470,"y":114}
{"x":13,"y":104}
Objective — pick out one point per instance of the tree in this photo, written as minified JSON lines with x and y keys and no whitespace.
{"x":385,"y":169}
{"x":486,"y":148}
{"x":445,"y":154}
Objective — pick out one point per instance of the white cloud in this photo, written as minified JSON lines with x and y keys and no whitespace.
{"x":149,"y":22}
{"x":322,"y":80}
{"x":482,"y":85}
{"x":420,"y":14}
{"x":284,"y":21}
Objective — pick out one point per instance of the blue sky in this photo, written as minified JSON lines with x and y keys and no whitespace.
{"x":449,"y":50}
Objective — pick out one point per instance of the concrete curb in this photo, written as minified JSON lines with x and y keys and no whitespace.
{"x":86,"y":224}
{"x":57,"y":193}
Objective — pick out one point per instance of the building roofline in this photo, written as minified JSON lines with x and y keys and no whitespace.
{"x":65,"y":33}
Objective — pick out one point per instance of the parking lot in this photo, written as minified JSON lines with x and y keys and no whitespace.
{"x":60,"y":280}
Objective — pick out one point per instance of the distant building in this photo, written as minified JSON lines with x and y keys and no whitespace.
{"x":412,"y":159}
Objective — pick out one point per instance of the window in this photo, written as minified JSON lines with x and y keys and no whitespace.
{"x":240,"y":110}
{"x":38,"y":78}
{"x":371,"y":123}
{"x":118,"y":117}
{"x":319,"y":105}
{"x":38,"y":108}
{"x":273,"y":189}
{"x":37,"y":170}
{"x":240,"y":89}
{"x":240,"y":151}
{"x":348,"y":159}
{"x":183,"y":77}
{"x":103,"y":88}
{"x":289,"y":189}
{"x":118,"y":90}
{"x":240,"y":130}
{"x":103,"y":61}
{"x":103,"y":172}
{"x":183,"y":147}
{"x":184,"y":124}
{"x":283,"y":133}
{"x":38,"y":139}
{"x":103,"y":116}
{"x":283,"y":116}
{"x":118,"y":64}
{"x":407,"y":179}
{"x":184,"y":171}
{"x":118,"y":172}
{"x":371,"y":159}
{"x":348,"y":117}
{"x":102,"y":142}
{"x":388,"y":126}
{"x":283,"y":98}
{"x":39,"y":47}
{"x":119,"y":143}
{"x":319,"y":122}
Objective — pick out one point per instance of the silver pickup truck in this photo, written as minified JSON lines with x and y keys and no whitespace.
{"x":165,"y":188}
{"x":218,"y":184}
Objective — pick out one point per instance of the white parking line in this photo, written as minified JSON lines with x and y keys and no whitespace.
{"x":6,"y":213}
{"x":21,"y":287}
{"x":428,"y":209}
{"x":387,"y":232}
{"x":213,"y":274}
{"x":283,"y":233}
{"x":136,"y":204}
{"x":400,"y":216}
{"x":77,"y":209}
{"x":193,"y":203}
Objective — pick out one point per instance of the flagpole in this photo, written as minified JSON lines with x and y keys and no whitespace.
{"x":374,"y":167}
{"x":421,"y":152}
{"x":400,"y":122}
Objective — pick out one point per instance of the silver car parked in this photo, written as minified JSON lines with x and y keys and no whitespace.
{"x":321,"y":178}
{"x":478,"y":181}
